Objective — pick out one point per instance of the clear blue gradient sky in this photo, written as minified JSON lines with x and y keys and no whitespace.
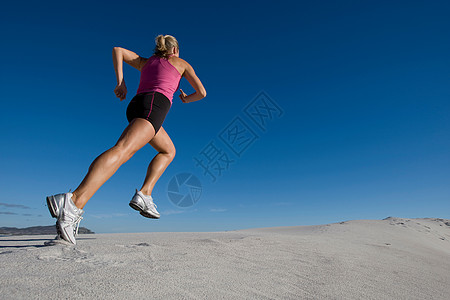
{"x":364,"y":87}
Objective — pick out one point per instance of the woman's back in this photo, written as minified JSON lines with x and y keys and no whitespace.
{"x":159,"y":75}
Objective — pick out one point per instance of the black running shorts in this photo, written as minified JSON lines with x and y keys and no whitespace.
{"x":152,"y":106}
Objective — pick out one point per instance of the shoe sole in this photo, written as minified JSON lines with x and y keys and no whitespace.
{"x":136,"y":207}
{"x":51,"y":207}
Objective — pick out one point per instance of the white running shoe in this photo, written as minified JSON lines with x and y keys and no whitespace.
{"x":145,"y":205}
{"x":69,"y":220}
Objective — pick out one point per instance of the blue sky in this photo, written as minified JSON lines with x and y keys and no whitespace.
{"x":363,"y":131}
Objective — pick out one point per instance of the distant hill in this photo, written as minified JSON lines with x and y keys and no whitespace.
{"x":37,"y":230}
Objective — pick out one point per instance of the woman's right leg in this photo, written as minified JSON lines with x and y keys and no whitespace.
{"x":136,"y":135}
{"x":166,"y":153}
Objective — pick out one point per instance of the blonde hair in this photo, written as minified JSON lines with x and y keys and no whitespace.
{"x":164,"y":44}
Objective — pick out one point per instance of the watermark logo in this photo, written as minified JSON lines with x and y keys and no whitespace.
{"x":238,"y":136}
{"x":213,"y":160}
{"x":222,"y":151}
{"x":262,"y":110}
{"x":184,"y":190}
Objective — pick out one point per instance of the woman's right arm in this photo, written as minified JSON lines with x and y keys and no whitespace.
{"x":118,"y":64}
{"x":195,"y":82}
{"x":121,"y":89}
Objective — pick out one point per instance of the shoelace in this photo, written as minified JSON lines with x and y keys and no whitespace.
{"x":77,"y":221}
{"x":75,"y":231}
{"x":147,"y":202}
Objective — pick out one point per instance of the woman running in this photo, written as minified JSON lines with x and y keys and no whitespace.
{"x":160,"y":79}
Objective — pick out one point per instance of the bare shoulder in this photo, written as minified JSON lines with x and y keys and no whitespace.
{"x":193,"y":79}
{"x":180,"y":64}
{"x":185,"y":66}
{"x":185,"y":63}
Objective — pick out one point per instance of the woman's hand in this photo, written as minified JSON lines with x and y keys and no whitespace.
{"x":121,"y":90}
{"x":183,"y":96}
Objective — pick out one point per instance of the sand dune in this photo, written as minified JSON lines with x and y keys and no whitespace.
{"x":366,"y":259}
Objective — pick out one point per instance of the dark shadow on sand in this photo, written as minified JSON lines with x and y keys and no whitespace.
{"x":24,"y":246}
{"x":33,"y":240}
{"x":29,"y":240}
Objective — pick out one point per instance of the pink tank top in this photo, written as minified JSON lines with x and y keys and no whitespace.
{"x":159,"y":75}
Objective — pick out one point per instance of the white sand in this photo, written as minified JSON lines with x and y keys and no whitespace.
{"x":368,"y":259}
